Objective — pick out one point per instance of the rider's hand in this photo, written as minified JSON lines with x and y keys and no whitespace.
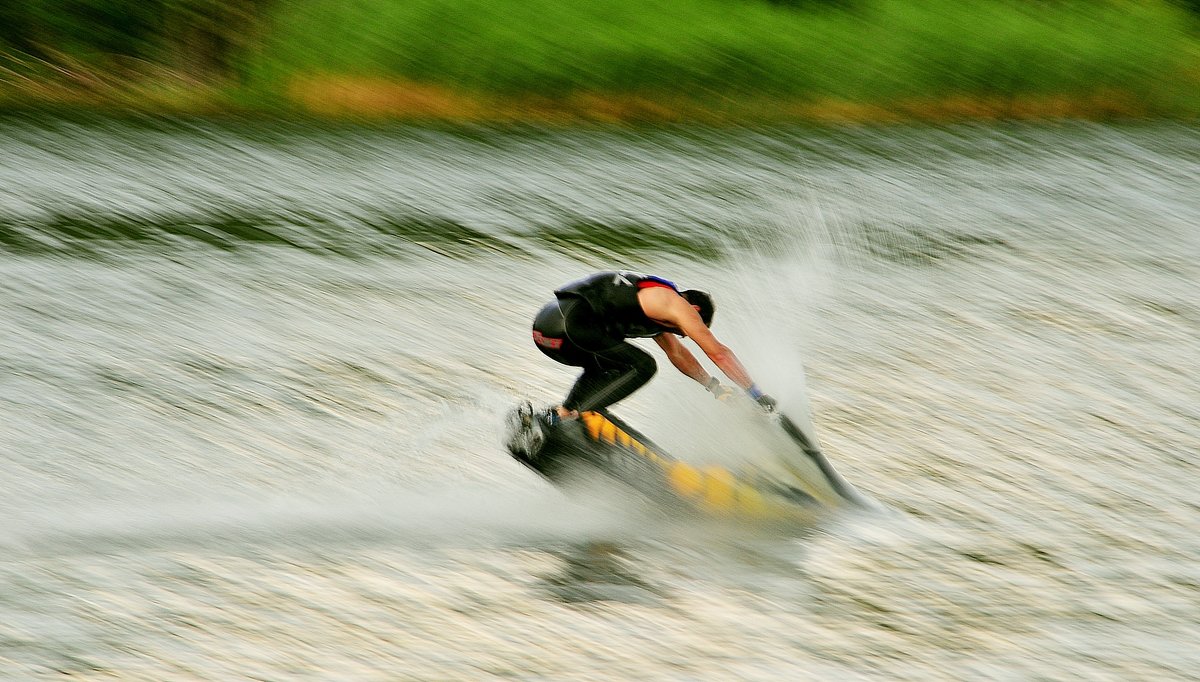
{"x":766,"y":402}
{"x":719,"y":391}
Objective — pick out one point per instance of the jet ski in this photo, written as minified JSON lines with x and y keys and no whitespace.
{"x":599,"y":442}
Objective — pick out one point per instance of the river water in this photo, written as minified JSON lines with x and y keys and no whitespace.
{"x":253,"y":378}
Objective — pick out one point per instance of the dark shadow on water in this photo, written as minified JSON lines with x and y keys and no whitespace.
{"x":924,"y":246}
{"x":88,"y":235}
{"x":443,"y":235}
{"x":625,"y":240}
{"x":599,"y":571}
{"x":725,"y":551}
{"x":91,"y":235}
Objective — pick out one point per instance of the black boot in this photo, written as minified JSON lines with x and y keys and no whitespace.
{"x":525,"y":431}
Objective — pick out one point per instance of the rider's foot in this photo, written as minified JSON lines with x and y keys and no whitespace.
{"x":526,"y":431}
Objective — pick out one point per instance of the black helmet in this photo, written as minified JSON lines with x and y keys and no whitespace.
{"x":702,"y":300}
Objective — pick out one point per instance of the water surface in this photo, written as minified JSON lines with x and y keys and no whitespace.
{"x":253,"y":377}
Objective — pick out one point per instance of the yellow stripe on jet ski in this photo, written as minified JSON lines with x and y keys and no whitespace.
{"x":714,"y":489}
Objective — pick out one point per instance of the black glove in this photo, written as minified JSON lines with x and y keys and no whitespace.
{"x":766,"y":402}
{"x":719,"y":391}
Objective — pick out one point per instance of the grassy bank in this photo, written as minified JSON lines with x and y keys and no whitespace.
{"x":718,"y":60}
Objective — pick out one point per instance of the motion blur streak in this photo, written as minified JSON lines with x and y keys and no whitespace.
{"x":252,"y":381}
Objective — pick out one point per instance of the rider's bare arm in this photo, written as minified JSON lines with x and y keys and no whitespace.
{"x":664,"y":305}
{"x":682,"y":358}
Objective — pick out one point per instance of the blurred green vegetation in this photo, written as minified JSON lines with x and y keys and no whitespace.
{"x":719,"y":53}
{"x":197,"y":37}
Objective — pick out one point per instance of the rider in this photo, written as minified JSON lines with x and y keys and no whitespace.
{"x":589,"y":320}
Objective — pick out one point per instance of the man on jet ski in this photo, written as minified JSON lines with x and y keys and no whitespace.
{"x":589,"y":320}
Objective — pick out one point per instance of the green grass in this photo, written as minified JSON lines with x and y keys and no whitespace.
{"x":621,"y":58}
{"x":877,"y":51}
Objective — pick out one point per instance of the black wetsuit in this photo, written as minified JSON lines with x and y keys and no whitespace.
{"x":586,"y":326}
